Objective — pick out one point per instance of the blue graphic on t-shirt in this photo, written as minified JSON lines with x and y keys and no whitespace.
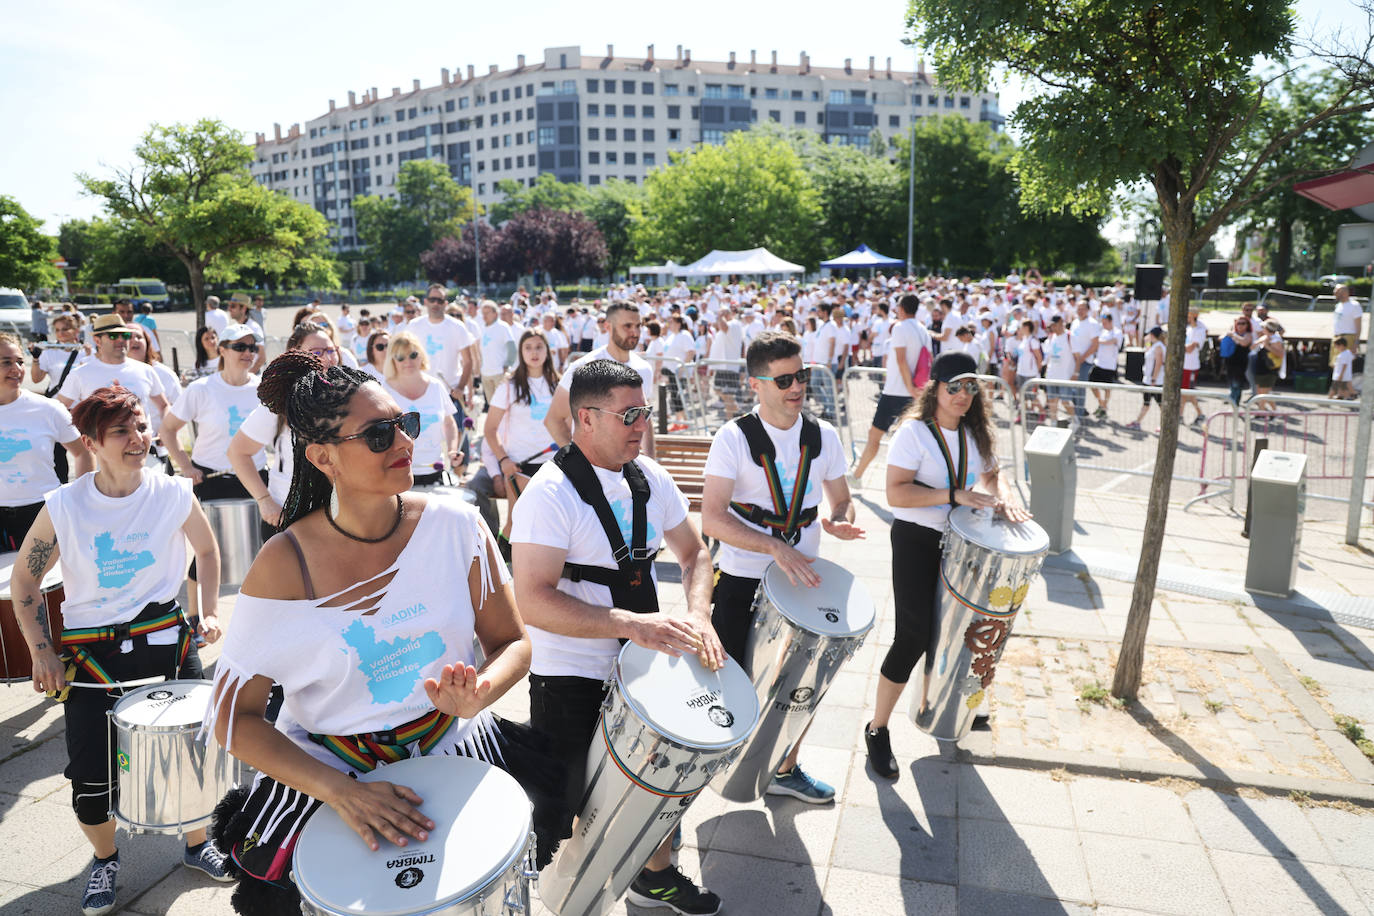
{"x":539,"y":409}
{"x":391,"y":666}
{"x":788,"y":477}
{"x":235,"y":420}
{"x":624,"y":516}
{"x":487,"y":338}
{"x":10,"y":447}
{"x":433,"y":345}
{"x":426,"y":419}
{"x":117,"y":568}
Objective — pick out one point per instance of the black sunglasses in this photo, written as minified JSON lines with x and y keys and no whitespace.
{"x":242,"y":347}
{"x":380,"y":435}
{"x":629,"y":417}
{"x":785,"y":381}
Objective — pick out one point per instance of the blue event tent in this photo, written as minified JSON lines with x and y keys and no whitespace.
{"x":862,"y":257}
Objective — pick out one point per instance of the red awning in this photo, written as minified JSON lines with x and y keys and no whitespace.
{"x":1351,"y":188}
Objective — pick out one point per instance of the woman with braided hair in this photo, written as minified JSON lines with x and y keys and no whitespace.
{"x":384,"y":588}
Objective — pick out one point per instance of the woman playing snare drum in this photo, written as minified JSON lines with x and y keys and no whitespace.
{"x":120,"y":535}
{"x":364,"y":610}
{"x":942,"y":449}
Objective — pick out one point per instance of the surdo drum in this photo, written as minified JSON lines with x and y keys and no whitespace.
{"x":987,"y":568}
{"x":168,"y":781}
{"x":15,"y":662}
{"x":800,"y":639}
{"x":667,"y":727}
{"x":235,"y":525}
{"x":477,"y":861}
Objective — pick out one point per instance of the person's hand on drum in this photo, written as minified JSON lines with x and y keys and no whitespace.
{"x":48,"y":671}
{"x":663,"y":633}
{"x":710,"y":652}
{"x":381,"y":807}
{"x":845,"y":531}
{"x":975,"y":500}
{"x":1012,"y":512}
{"x":458,"y":691}
{"x":209,"y":627}
{"x":795,"y":564}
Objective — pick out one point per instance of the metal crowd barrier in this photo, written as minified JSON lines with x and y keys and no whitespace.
{"x":1323,"y":429}
{"x":178,"y":349}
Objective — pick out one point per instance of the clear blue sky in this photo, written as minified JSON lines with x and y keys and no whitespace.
{"x":84,"y":78}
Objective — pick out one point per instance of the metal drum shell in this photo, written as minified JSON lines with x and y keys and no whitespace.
{"x":791,"y":668}
{"x":235,"y":523}
{"x":172,"y":781}
{"x":986,"y":569}
{"x":15,"y":662}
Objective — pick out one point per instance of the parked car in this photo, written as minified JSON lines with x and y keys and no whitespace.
{"x":1334,"y":280}
{"x":15,"y":315}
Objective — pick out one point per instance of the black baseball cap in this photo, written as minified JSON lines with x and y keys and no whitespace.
{"x":951,"y":365}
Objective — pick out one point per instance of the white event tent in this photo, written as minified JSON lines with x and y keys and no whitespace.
{"x":750,"y":261}
{"x":668,"y":270}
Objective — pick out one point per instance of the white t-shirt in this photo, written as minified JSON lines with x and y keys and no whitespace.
{"x":1154,"y":364}
{"x":496,"y":341}
{"x":877,"y":336}
{"x":828,"y":333}
{"x":1085,"y":331}
{"x":1108,"y":347}
{"x":261,"y":426}
{"x":1346,"y":317}
{"x":635,"y":362}
{"x":551,"y":513}
{"x":218,"y":410}
{"x":345,"y":326}
{"x":1342,"y":371}
{"x":432,"y":406}
{"x":137,"y":377}
{"x":557,"y":341}
{"x":1060,"y":360}
{"x":444,"y":342}
{"x":730,"y":458}
{"x":521,"y":431}
{"x":1197,"y":334}
{"x":909,"y":335}
{"x":171,"y":390}
{"x":54,"y":361}
{"x":679,"y":346}
{"x":914,"y":449}
{"x":120,"y":553}
{"x":29,"y":427}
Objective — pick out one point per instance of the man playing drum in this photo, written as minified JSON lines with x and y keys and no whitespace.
{"x":585,"y":533}
{"x":120,"y":534}
{"x":765,"y":475}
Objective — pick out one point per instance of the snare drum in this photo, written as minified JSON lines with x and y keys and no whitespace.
{"x":667,"y":727}
{"x":235,"y":523}
{"x":476,"y":862}
{"x":800,"y":639}
{"x":168,"y":781}
{"x":987,"y":567}
{"x":15,"y":662}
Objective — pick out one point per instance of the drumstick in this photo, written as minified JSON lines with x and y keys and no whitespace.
{"x":140,"y":682}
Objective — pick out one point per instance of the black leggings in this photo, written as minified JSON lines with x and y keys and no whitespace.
{"x":915,"y":580}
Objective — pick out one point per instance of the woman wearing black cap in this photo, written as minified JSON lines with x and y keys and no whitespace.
{"x":942,"y":447}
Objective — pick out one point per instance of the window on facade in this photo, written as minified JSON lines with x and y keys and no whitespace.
{"x":610,"y":86}
{"x":646,"y":88}
{"x":627,"y":111}
{"x":519,"y":115}
{"x":734,"y":91}
{"x":567,"y":135}
{"x":933,"y":101}
{"x":569,"y":87}
{"x":670,"y":89}
{"x":649,"y":159}
{"x":610,"y":134}
{"x":858,"y":96}
{"x":505,"y":139}
{"x":692,"y":89}
{"x":674,"y":111}
{"x":610,"y":157}
{"x":647,"y":134}
{"x":610,"y":111}
{"x":400,"y":114}
{"x":411,"y":114}
{"x":630,"y":158}
{"x":481,"y":144}
{"x":547,"y":137}
{"x":593,"y":179}
{"x":713,"y":136}
{"x":949,"y":101}
{"x":964,"y":101}
{"x":593,"y":133}
{"x":627,"y":87}
{"x":774,"y":115}
{"x":593,"y":157}
{"x":593,"y":110}
{"x":838,"y":97}
{"x":593,"y":85}
{"x":770,"y":93}
{"x":647,"y":111}
{"x":629,"y":135}
{"x":714,"y":91}
{"x":464,"y":102}
{"x":448,"y":105}
{"x":674,"y":135}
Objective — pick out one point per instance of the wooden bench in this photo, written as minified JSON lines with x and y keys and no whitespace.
{"x":684,"y":457}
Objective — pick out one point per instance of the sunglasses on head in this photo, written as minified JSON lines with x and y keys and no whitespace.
{"x":242,"y":347}
{"x":785,"y":381}
{"x":402,"y":357}
{"x":968,"y":385}
{"x":381,"y":435}
{"x":629,"y":417}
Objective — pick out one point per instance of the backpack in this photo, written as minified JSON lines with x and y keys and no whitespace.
{"x":1228,"y":347}
{"x":922,"y":374}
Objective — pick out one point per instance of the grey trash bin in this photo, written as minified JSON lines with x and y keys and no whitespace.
{"x":1278,"y":493}
{"x":1053,"y":472}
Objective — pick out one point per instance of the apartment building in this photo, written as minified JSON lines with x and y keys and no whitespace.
{"x":584,"y":119}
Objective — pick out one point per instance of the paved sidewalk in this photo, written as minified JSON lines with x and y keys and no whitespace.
{"x":1029,"y":823}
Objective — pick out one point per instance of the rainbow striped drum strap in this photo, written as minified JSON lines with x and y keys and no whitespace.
{"x":365,"y":752}
{"x":1005,"y":613}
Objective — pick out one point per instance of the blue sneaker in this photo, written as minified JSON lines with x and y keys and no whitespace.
{"x":798,"y":784}
{"x":100,"y":887}
{"x":208,"y":859}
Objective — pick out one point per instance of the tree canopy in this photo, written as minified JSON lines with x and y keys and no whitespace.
{"x":547,"y":193}
{"x":26,"y":254}
{"x":428,"y":206}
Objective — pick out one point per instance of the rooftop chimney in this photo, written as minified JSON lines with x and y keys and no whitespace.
{"x":732,"y":60}
{"x":443,"y":75}
{"x":679,"y":53}
{"x":331,"y":104}
{"x":294,"y":132}
{"x":352,"y":98}
{"x":415,"y":85}
{"x":262,"y":138}
{"x":921,"y":67}
{"x":775,"y":59}
{"x":870,"y":65}
{"x":395,"y":91}
{"x":849,"y":65}
{"x":276,"y":128}
{"x":889,"y":68}
{"x":686,"y":57}
{"x":491,"y":68}
{"x":650,"y":56}
{"x":520,"y":61}
{"x":375,"y":95}
{"x":610,"y":51}
{"x":753,"y":59}
{"x":469,"y":71}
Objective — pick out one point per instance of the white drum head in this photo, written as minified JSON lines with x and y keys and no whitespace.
{"x":1023,"y":539}
{"x":481,"y":825}
{"x":170,"y":705}
{"x":839,"y":607}
{"x":7,"y":560}
{"x":686,"y":703}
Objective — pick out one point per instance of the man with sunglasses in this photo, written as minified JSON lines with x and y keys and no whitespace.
{"x":111,"y":365}
{"x":758,"y":526}
{"x":579,"y":600}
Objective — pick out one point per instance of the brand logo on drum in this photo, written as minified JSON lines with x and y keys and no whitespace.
{"x":702,"y":700}
{"x":410,"y":860}
{"x":721,"y":716}
{"x":832,"y":614}
{"x":409,"y":878}
{"x":159,"y":694}
{"x":802,"y":694}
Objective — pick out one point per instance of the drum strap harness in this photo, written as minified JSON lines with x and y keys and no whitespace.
{"x":787,"y":518}
{"x":367,"y":751}
{"x":957,"y":473}
{"x":631,"y":583}
{"x":152,"y":619}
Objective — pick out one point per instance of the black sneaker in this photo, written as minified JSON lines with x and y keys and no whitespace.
{"x":880,"y":752}
{"x":670,"y":888}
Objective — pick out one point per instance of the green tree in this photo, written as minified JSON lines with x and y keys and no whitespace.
{"x":1125,"y":92}
{"x":614,"y":206}
{"x":862,"y":197}
{"x":547,"y":193}
{"x":428,"y":206}
{"x":103,"y":250}
{"x":191,"y":194}
{"x":750,"y":191}
{"x":26,"y":254}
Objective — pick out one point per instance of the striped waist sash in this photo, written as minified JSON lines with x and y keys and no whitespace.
{"x":365,"y":752}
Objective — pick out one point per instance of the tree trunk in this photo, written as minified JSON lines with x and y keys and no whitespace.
{"x":1178,"y":227}
{"x":196,"y":271}
{"x":1283,"y":252}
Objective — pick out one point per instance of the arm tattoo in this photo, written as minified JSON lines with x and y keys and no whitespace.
{"x":39,"y":555}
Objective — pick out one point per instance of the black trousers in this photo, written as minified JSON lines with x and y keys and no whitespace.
{"x":15,"y":522}
{"x":915,"y":579}
{"x":732,"y":612}
{"x":565,"y":710}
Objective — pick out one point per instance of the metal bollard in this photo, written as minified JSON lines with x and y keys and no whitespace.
{"x":1278,"y":492}
{"x":1053,"y":470}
